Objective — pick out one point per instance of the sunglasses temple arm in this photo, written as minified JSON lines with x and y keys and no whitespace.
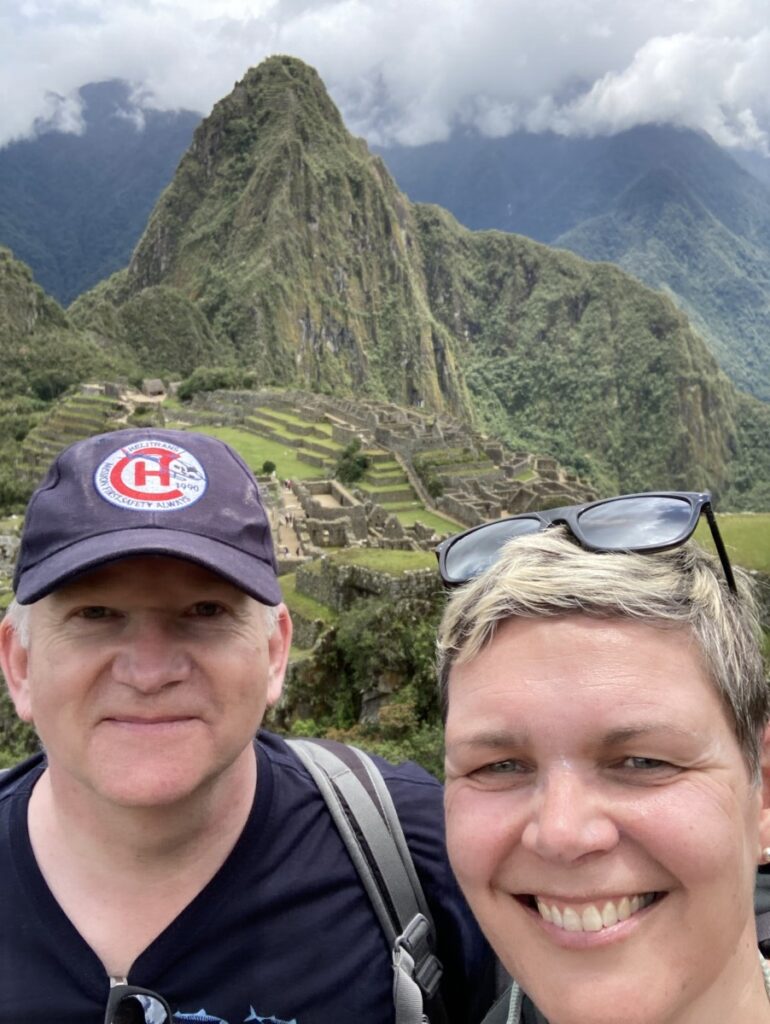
{"x":721,"y":550}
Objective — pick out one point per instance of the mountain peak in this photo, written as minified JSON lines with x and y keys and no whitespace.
{"x":283,"y":96}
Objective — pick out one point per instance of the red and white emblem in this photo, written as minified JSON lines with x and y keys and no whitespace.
{"x":151,"y":474}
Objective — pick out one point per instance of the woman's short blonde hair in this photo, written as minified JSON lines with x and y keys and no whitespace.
{"x":547,"y":574}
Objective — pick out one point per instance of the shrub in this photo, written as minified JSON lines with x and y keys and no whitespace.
{"x":352,"y":463}
{"x":209,"y":378}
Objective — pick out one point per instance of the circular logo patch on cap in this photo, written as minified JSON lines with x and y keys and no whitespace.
{"x":151,"y":474}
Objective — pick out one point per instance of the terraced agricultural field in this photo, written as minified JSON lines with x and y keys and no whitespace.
{"x":409,"y":513}
{"x":257,"y":450}
{"x":387,"y":561}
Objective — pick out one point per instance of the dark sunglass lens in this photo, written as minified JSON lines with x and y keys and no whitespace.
{"x":140,"y":1009}
{"x":472,"y":554}
{"x":647,"y":521}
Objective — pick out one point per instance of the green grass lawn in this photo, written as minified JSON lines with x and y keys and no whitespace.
{"x":303,"y":605}
{"x":409,"y":513}
{"x":380,"y":469}
{"x":257,"y":450}
{"x":746,"y":536}
{"x":292,"y":418}
{"x":387,"y":561}
{"x":396,"y":485}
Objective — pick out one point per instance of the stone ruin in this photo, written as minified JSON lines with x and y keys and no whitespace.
{"x":332,"y":516}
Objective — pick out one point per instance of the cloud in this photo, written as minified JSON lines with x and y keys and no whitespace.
{"x":410,"y":71}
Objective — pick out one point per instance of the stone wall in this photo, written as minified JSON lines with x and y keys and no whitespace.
{"x":340,"y":586}
{"x":459,"y":509}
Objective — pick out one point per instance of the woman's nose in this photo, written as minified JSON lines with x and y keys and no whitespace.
{"x":571,"y":817}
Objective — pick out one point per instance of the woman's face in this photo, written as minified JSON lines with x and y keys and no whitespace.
{"x":602,"y":821}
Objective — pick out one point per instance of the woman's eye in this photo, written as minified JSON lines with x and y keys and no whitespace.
{"x":645,"y":764}
{"x":501,"y":768}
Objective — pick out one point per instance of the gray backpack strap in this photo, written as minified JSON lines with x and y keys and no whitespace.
{"x":513,"y":1008}
{"x":363,"y":811}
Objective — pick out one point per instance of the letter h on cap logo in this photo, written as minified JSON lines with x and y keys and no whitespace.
{"x":152,"y":475}
{"x":151,"y":462}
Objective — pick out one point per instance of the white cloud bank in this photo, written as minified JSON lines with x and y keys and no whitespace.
{"x":410,"y":70}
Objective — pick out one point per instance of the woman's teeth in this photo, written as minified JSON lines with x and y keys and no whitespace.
{"x":592,"y":918}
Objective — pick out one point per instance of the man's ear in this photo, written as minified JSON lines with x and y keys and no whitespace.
{"x":14,"y":660}
{"x":278,"y":644}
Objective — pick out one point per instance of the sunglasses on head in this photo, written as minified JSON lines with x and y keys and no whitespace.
{"x":654,"y":521}
{"x":129,"y":1004}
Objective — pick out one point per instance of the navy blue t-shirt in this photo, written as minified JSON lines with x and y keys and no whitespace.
{"x":284,"y":932}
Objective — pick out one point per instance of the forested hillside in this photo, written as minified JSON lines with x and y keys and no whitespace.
{"x":291,"y":241}
{"x":665,"y":204}
{"x":72,"y":206}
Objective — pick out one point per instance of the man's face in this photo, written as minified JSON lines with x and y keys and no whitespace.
{"x":146,"y":679}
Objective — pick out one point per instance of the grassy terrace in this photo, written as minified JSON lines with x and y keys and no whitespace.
{"x":290,"y":417}
{"x":408,"y":513}
{"x":277,"y":418}
{"x":378,"y":469}
{"x":303,"y":605}
{"x":385,"y":560}
{"x":746,"y":535}
{"x":257,"y":450}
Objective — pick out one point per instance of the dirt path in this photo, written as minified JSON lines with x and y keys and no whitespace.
{"x":290,"y":510}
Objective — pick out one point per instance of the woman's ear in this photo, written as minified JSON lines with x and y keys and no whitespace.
{"x":764,"y":817}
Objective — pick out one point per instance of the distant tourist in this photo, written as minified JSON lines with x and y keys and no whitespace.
{"x":157,"y":862}
{"x":607,"y":720}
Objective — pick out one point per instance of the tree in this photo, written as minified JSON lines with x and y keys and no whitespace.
{"x":352,"y":463}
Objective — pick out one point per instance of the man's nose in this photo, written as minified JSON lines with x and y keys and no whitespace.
{"x":150,"y":657}
{"x":571,"y":816}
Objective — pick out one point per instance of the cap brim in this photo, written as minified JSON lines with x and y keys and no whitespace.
{"x":252,"y":575}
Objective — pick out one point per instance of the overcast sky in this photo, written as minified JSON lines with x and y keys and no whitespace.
{"x":411,"y":70}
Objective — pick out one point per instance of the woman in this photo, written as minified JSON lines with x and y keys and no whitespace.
{"x":606,"y":714}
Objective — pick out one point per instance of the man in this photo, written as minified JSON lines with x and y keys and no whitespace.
{"x":155,"y":843}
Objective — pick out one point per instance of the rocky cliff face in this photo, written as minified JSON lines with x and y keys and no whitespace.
{"x":295,"y":255}
{"x":298,"y":247}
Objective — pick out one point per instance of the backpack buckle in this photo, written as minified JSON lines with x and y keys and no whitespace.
{"x":415,"y":940}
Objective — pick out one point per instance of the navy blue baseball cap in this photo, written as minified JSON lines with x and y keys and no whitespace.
{"x":147,"y":492}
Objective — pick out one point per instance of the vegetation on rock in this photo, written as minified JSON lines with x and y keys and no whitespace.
{"x":305,"y":265}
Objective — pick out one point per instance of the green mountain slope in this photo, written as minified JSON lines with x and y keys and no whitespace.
{"x":666,"y":204}
{"x":41,"y":352}
{"x":578,"y":358}
{"x":662,"y":234}
{"x":289,"y":247}
{"x":297,"y":247}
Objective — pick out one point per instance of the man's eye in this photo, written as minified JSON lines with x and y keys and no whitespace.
{"x":207,"y":609}
{"x":95,"y":611}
